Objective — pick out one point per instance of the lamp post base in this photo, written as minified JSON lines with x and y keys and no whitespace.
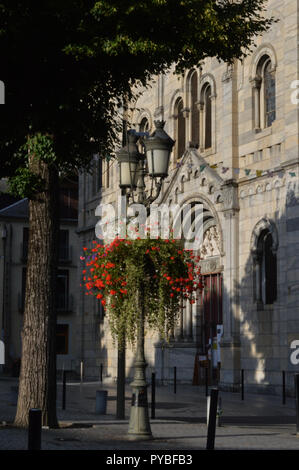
{"x":139,"y":427}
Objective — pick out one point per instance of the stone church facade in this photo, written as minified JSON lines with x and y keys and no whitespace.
{"x":236,"y":153}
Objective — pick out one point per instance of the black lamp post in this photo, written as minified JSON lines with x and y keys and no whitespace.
{"x":134,"y":167}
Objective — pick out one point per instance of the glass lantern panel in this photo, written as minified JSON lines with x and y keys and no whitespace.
{"x":158,"y":161}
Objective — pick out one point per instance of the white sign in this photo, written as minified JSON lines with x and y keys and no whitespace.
{"x":2,"y":353}
{"x":294,"y":357}
{"x":219,"y":332}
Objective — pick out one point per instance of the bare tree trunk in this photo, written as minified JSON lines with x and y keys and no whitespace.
{"x":37,"y":386}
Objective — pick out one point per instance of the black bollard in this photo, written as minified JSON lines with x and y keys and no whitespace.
{"x":242,"y":384}
{"x":63,"y":389}
{"x":174,"y":379}
{"x":296,"y":378}
{"x":219,"y":412}
{"x":34,"y":429}
{"x":207,"y":381}
{"x":283,"y":387}
{"x":153,"y":395}
{"x":101,"y":373}
{"x":212,"y":419}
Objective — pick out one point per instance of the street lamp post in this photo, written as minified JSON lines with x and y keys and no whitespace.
{"x":133,"y":168}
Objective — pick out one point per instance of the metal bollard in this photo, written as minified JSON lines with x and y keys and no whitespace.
{"x":34,"y":429}
{"x":242,"y":384}
{"x":207,"y":381}
{"x":153,"y":402}
{"x":212,"y":419}
{"x":219,"y":412}
{"x":63,"y":389}
{"x":174,"y":379}
{"x":296,"y":379}
{"x":101,"y":402}
{"x":283,"y":387}
{"x":101,"y":372}
{"x":81,"y":371}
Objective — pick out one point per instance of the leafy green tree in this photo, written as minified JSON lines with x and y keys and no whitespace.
{"x":65,"y":66}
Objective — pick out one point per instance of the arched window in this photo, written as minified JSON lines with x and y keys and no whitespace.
{"x":206,"y":117}
{"x":180,"y":129}
{"x":269,"y":93}
{"x":144,"y":125}
{"x":194,"y":110}
{"x":265,"y":271}
{"x":264,"y":93}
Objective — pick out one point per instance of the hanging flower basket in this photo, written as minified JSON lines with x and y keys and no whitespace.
{"x":114,"y":273}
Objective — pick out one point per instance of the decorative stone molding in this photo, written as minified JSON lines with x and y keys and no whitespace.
{"x":199,"y":105}
{"x":175,"y":96}
{"x":218,"y":198}
{"x":256,"y":82}
{"x":186,"y":112}
{"x":228,"y":74}
{"x":207,"y":78}
{"x":211,"y":243}
{"x":210,"y":265}
{"x":145,"y":113}
{"x":230,"y":196}
{"x":263,"y":49}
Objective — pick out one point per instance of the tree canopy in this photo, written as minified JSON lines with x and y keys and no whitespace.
{"x":66,"y":64}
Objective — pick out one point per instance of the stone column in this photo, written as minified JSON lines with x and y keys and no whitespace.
{"x":256,"y":86}
{"x":186,"y":114}
{"x":185,"y":321}
{"x":189,"y":317}
{"x":201,"y":126}
{"x":213,"y":122}
{"x":230,"y":344}
{"x":198,"y":322}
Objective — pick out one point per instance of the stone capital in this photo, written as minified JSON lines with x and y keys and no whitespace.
{"x":229,"y":192}
{"x":186,"y":112}
{"x":256,"y":82}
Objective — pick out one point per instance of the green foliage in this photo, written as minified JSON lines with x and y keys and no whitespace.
{"x":156,"y":272}
{"x":182,"y":32}
{"x":67,"y":64}
{"x":42,"y":147}
{"x":24,"y":182}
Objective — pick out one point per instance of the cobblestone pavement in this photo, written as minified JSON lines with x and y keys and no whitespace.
{"x":258,"y":422}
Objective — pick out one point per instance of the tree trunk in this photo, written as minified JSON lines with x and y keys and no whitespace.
{"x":37,"y":385}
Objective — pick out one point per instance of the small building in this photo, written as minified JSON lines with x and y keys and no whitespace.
{"x":14,"y":231}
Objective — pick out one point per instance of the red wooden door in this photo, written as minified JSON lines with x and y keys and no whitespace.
{"x":212,"y":307}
